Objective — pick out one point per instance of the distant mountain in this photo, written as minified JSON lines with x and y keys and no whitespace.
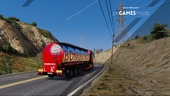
{"x":28,"y":41}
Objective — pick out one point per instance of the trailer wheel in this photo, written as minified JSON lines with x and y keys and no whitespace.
{"x":78,"y":70}
{"x":69,"y":73}
{"x":51,"y":75}
{"x":75,"y":71}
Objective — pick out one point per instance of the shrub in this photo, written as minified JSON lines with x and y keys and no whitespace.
{"x":1,"y":17}
{"x":5,"y":48}
{"x":6,"y":64}
{"x":13,"y":19}
{"x":168,"y":32}
{"x":34,"y":24}
{"x":145,"y":38}
{"x":14,"y":23}
{"x":46,"y":34}
{"x":159,"y":31}
{"x":136,"y":37}
{"x":8,"y":48}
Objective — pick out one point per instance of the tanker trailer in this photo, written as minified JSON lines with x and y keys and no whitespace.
{"x":67,"y":59}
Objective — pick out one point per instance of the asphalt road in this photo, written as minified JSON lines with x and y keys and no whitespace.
{"x":29,"y":83}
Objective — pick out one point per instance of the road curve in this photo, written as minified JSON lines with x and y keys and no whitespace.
{"x":29,"y":83}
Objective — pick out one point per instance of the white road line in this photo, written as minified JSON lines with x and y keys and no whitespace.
{"x":83,"y":85}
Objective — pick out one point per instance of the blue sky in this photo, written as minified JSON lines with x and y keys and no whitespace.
{"x":87,"y":29}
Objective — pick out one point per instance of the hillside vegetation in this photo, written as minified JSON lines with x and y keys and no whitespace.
{"x":21,"y":45}
{"x":140,"y":66}
{"x":10,"y":63}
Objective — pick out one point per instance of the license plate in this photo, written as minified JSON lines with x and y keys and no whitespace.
{"x":49,"y":73}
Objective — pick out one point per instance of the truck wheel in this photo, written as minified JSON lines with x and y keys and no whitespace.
{"x":51,"y":75}
{"x":68,"y":73}
{"x":78,"y":70}
{"x":71,"y":72}
{"x":75,"y":71}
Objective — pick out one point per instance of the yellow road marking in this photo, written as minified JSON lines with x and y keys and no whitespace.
{"x":21,"y":82}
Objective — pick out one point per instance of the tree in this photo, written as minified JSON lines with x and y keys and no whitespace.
{"x":159,"y":31}
{"x":34,"y":24}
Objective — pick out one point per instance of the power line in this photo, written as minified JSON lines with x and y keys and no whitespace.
{"x":105,"y":17}
{"x":112,"y":15}
{"x":109,"y":14}
{"x":111,"y":21}
{"x":112,"y":24}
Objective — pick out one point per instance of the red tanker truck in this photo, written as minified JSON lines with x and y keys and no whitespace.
{"x":64,"y":58}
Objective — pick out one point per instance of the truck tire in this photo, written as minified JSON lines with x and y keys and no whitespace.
{"x":78,"y":70}
{"x":75,"y":71}
{"x":69,"y":73}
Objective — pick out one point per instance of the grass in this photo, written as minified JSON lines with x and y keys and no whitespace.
{"x":10,"y":63}
{"x":6,"y":64}
{"x":110,"y":83}
{"x":26,"y":23}
{"x":168,"y":33}
{"x":129,"y":47}
{"x":103,"y":86}
{"x":110,"y":69}
{"x":46,"y":34}
{"x":146,"y":39}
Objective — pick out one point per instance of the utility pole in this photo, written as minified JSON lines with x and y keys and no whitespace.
{"x":112,"y":48}
{"x":94,"y":52}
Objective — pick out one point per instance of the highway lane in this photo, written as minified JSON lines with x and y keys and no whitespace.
{"x":23,"y":84}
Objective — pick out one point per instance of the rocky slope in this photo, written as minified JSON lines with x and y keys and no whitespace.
{"x":29,"y":41}
{"x":20,"y":50}
{"x":139,"y":68}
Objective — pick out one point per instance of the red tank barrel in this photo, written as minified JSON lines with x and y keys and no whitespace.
{"x":58,"y":57}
